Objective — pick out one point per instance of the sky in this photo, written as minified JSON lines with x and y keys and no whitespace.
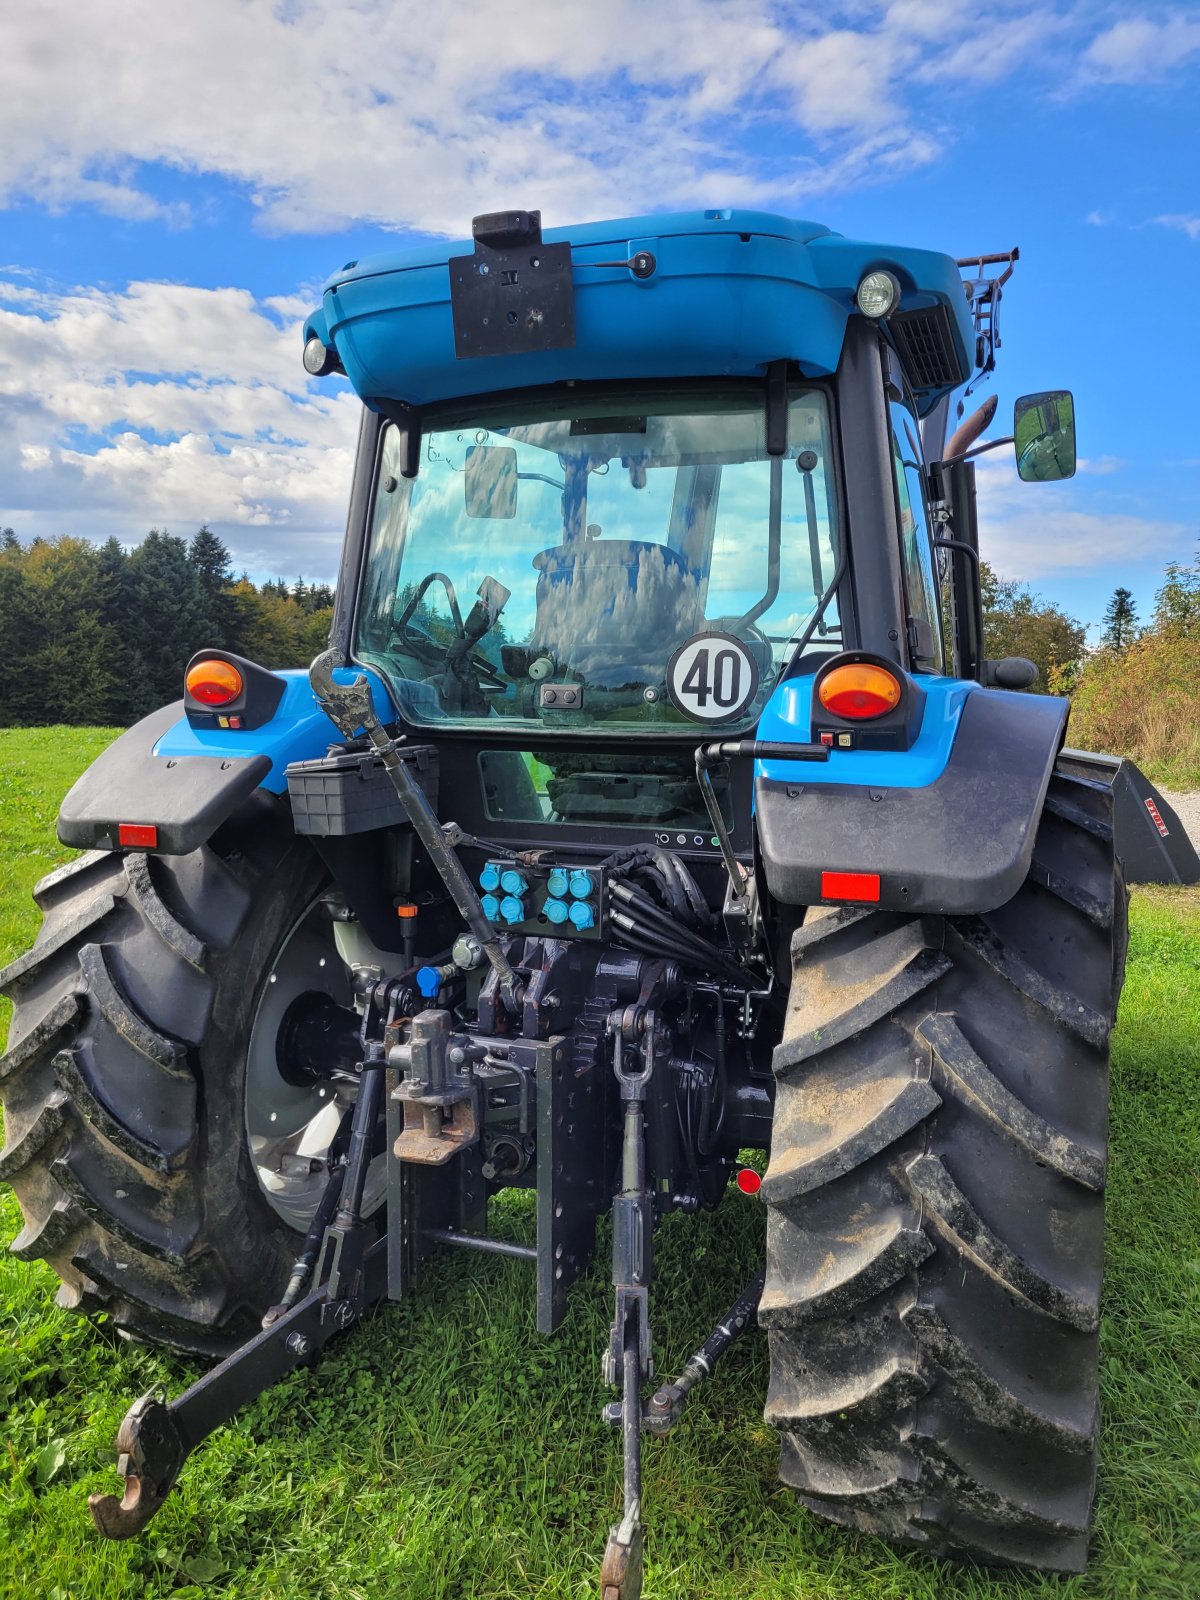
{"x":177,"y":180}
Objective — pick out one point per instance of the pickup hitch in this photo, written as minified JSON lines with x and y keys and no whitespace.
{"x":157,"y":1436}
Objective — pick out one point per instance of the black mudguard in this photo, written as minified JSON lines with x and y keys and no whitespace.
{"x":960,"y":844}
{"x":1150,"y":838}
{"x":185,"y":797}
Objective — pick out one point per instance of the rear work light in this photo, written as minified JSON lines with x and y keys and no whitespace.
{"x":213,"y":683}
{"x":859,"y":690}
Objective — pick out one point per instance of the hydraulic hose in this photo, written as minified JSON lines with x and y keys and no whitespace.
{"x":679,"y":888}
{"x":655,"y":920}
{"x":655,"y":942}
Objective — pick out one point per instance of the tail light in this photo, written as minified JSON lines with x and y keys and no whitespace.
{"x":213,"y":682}
{"x":859,"y":690}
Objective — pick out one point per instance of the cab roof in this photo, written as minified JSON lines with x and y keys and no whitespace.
{"x":728,"y":293}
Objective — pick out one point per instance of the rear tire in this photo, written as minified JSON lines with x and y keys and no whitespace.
{"x":936,"y":1207}
{"x":124,"y":1078}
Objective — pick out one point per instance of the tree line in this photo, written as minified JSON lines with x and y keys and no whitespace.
{"x":99,"y":634}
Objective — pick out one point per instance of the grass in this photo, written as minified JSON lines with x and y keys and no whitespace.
{"x":444,"y":1450}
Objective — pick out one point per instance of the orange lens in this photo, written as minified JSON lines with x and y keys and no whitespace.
{"x":859,"y":690}
{"x":213,"y":683}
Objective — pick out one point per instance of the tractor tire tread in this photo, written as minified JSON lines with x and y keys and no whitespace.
{"x":117,"y":1121}
{"x":932,"y":1298}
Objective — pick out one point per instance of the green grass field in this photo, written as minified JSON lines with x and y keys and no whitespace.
{"x":444,"y":1450}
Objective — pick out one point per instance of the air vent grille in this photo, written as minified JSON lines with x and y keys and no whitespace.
{"x":926,"y":347}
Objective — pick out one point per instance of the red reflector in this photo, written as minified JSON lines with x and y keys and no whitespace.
{"x":849,"y":886}
{"x":748,"y":1181}
{"x":137,"y":835}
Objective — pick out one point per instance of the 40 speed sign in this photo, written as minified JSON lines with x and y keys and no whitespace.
{"x":712,"y":678}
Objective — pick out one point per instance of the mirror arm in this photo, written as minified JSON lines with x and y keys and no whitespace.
{"x":979,"y":450}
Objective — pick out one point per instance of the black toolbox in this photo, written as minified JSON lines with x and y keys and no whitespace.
{"x":350,"y":792}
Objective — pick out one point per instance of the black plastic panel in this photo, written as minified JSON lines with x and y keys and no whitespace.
{"x":960,"y":844}
{"x":185,"y":797}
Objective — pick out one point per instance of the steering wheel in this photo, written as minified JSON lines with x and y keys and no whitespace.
{"x":433,"y":652}
{"x":753,"y":637}
{"x":421,"y":643}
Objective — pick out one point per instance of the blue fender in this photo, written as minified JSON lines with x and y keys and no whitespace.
{"x":182,"y":782}
{"x":946,"y":826}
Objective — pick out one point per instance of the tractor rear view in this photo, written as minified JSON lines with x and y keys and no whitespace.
{"x":654,"y":803}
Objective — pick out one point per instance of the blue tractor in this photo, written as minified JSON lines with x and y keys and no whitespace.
{"x":654,"y":802}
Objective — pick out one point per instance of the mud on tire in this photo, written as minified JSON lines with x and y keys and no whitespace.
{"x":936,"y":1206}
{"x":122,"y":1084}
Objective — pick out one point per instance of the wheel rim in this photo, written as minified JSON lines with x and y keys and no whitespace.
{"x":290,"y":1128}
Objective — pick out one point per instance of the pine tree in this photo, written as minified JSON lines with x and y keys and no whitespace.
{"x":72,"y":664}
{"x":168,"y":619}
{"x":18,"y":641}
{"x":1120,"y":620}
{"x":9,"y":540}
{"x":209,"y":560}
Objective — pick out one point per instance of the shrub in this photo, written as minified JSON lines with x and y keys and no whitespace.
{"x":1141,"y":701}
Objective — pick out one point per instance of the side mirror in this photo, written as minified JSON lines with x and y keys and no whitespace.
{"x":1044,"y":436}
{"x":490,"y":480}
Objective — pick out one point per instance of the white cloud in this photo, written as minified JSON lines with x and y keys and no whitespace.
{"x":383,"y":110}
{"x":170,"y":405}
{"x":1034,"y":531}
{"x":1142,"y":49}
{"x":1181,"y":223}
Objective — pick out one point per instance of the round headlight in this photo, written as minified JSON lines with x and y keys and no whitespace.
{"x":318,"y":358}
{"x":878,"y":294}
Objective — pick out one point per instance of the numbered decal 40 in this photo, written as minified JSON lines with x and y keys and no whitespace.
{"x":712,"y":678}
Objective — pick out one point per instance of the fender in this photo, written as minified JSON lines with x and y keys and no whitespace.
{"x":948,"y":826}
{"x":184,"y":782}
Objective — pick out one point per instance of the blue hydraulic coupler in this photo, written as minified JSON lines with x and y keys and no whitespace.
{"x":429,"y":981}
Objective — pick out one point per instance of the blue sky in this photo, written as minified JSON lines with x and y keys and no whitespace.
{"x":177,"y":179}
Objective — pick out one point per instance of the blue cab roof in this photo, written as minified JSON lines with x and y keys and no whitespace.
{"x":731,"y":292}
